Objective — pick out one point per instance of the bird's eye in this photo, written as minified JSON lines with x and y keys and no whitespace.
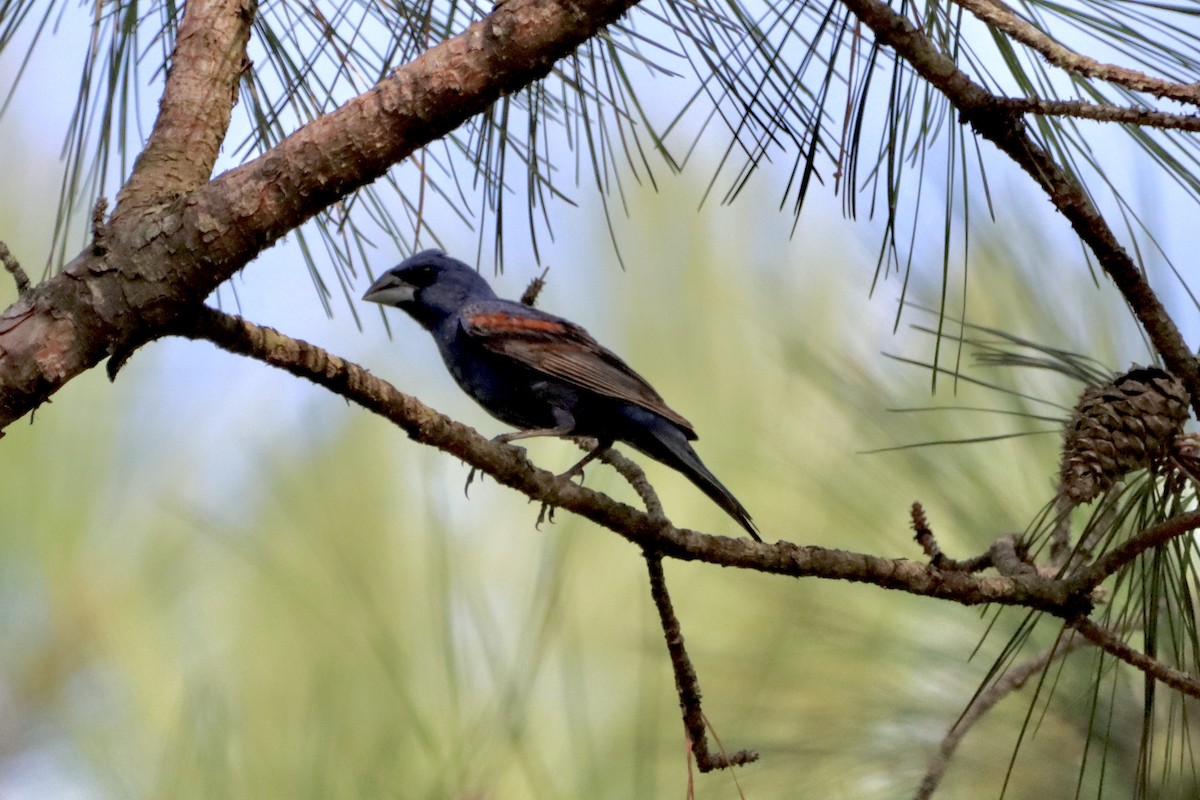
{"x":420,"y":276}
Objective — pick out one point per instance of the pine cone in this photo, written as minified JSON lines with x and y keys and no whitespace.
{"x":1119,"y":427}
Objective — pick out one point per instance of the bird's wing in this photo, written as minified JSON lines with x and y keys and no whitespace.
{"x":562,"y":350}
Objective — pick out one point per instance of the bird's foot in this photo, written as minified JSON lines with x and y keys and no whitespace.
{"x":572,"y":473}
{"x":507,"y":438}
{"x":595,"y":450}
{"x":546,"y":514}
{"x":503,"y":438}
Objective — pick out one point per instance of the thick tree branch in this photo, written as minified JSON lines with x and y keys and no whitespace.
{"x":194,"y":111}
{"x":515,"y":45}
{"x":989,"y":116}
{"x":508,"y":465}
{"x":159,"y":265}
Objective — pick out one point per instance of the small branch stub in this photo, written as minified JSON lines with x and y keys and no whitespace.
{"x":14,"y":268}
{"x":937,"y":559}
{"x":530,"y":296}
{"x":924,"y":535}
{"x":100,"y":227}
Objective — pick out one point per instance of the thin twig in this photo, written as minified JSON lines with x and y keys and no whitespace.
{"x":630,"y":471}
{"x":924,"y":537}
{"x":1060,"y":536}
{"x":924,"y":534}
{"x":1009,"y":557}
{"x":1127,"y":551}
{"x":1074,"y":558}
{"x":1011,"y":681}
{"x":1001,"y":17}
{"x":686,"y":682}
{"x":1110,"y":643}
{"x":14,"y":268}
{"x":625,"y":467}
{"x":1099,"y":112}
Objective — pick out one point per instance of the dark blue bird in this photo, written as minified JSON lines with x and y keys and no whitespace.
{"x":541,"y":373}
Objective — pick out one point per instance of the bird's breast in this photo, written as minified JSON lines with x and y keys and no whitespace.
{"x":507,"y":390}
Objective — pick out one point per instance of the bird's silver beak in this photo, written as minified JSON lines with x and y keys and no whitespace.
{"x":390,"y":291}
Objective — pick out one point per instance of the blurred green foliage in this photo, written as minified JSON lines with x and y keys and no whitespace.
{"x":335,"y":619}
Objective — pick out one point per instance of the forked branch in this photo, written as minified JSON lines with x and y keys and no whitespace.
{"x":196,"y":105}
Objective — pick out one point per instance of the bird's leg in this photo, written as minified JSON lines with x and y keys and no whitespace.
{"x":565,"y":427}
{"x":547,"y":511}
{"x":562,"y":430}
{"x":504,"y":438}
{"x":577,"y":468}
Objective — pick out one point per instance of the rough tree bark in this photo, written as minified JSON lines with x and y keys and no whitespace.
{"x":175,"y":236}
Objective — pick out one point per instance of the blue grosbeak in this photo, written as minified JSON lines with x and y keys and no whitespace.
{"x":541,"y":373}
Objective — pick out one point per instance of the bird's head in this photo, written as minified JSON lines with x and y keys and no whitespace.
{"x":430,"y":286}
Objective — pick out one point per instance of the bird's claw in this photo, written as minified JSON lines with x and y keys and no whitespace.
{"x":546,"y":514}
{"x":470,"y":480}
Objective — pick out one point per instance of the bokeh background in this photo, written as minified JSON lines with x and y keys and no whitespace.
{"x":219,"y":581}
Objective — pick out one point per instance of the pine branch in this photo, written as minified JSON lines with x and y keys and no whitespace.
{"x":990,"y":118}
{"x":1087,"y":578}
{"x":1107,"y":641}
{"x":1082,"y":109}
{"x":686,"y":682}
{"x":1001,"y":17}
{"x":1011,"y":681}
{"x":508,"y":465}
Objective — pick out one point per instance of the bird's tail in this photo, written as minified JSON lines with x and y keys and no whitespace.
{"x":666,"y":443}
